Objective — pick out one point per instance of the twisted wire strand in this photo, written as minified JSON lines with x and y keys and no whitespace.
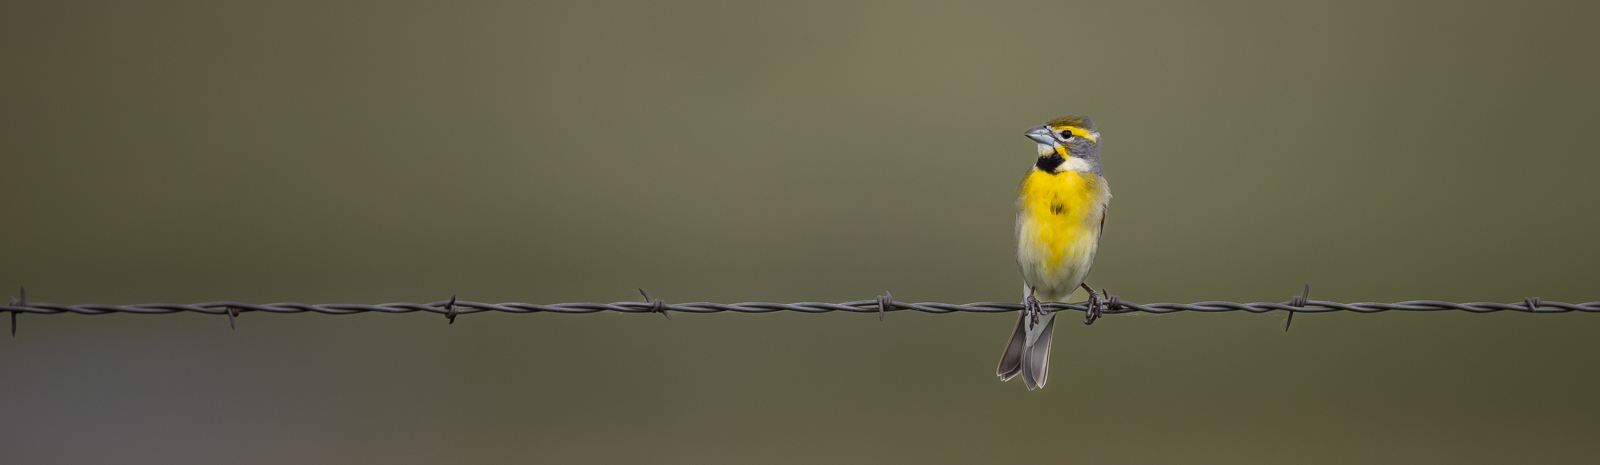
{"x":453,"y":307}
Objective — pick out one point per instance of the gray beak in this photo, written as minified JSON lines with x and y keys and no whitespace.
{"x":1041,"y":135}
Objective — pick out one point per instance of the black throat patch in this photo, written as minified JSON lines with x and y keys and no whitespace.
{"x":1049,"y":163}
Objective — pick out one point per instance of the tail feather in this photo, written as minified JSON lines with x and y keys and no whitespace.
{"x":1011,"y":360}
{"x":1036,"y":358}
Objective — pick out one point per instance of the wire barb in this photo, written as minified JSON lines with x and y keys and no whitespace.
{"x":1298,"y":301}
{"x":656,"y":306}
{"x":884,"y":302}
{"x":450,"y":310}
{"x":233,"y":312}
{"x":1532,"y":303}
{"x":19,"y":302}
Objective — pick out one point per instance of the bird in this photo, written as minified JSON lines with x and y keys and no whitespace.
{"x":1061,"y":210}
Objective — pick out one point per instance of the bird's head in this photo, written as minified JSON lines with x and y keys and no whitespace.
{"x":1067,"y":143}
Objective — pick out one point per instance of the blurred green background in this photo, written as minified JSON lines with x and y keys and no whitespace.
{"x":797,"y":151}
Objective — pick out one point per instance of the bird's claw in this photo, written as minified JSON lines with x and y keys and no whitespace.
{"x":1096,"y":304}
{"x":1095,"y":309}
{"x":1032,"y":307}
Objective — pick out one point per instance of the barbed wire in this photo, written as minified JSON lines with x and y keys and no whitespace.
{"x":1112,"y":305}
{"x":858,"y":306}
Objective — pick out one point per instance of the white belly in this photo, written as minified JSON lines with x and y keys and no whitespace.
{"x":1054,"y":282}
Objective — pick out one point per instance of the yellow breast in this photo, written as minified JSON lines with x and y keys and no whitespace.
{"x":1059,"y":213}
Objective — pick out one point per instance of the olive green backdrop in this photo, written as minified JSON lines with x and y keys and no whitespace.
{"x":384,"y":151}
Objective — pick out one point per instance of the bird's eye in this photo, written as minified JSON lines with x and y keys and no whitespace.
{"x":1066,"y":135}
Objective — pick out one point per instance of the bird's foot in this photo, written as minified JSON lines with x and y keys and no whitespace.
{"x":1033,"y":308}
{"x":1096,"y":305}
